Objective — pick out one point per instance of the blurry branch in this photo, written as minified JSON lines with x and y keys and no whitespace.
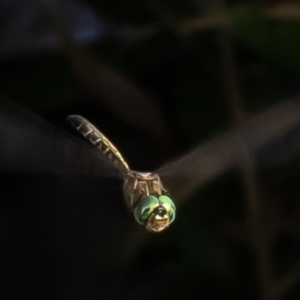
{"x":283,"y":285}
{"x":184,"y":27}
{"x":116,"y":91}
{"x":218,"y":20}
{"x":289,"y":12}
{"x":213,"y":21}
{"x":270,"y":289}
{"x":247,"y":165}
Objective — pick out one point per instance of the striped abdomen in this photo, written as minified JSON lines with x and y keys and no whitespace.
{"x":98,"y":139}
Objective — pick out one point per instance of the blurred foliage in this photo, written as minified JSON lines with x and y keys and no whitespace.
{"x":276,"y":40}
{"x":140,"y":12}
{"x":208,"y":252}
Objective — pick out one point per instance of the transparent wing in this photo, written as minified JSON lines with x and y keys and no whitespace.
{"x":59,"y":195}
{"x":28,"y":144}
{"x":221,"y":154}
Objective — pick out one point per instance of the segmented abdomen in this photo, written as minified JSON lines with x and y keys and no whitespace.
{"x":98,"y":139}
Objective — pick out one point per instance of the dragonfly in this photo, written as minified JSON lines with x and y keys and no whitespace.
{"x":30,"y":145}
{"x":144,"y":193}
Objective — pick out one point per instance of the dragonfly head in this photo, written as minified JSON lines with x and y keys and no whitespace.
{"x":157,"y":213}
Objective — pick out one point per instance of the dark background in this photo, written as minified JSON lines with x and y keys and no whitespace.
{"x":159,"y":78}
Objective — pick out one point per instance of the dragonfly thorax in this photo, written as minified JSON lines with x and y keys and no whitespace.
{"x":138,"y":184}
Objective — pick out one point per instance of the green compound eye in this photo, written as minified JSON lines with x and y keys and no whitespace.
{"x":145,"y":208}
{"x":169,"y":205}
{"x":148,"y":204}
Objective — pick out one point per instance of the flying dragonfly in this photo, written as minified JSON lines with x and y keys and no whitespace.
{"x":30,"y":145}
{"x":144,"y":193}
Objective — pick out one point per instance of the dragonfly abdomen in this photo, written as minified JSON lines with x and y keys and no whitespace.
{"x":99,"y":140}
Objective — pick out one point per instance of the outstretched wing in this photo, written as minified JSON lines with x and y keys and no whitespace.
{"x":225,"y":152}
{"x":98,"y":139}
{"x":29,"y":144}
{"x":58,"y":196}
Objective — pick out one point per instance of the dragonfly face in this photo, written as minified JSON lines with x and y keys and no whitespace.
{"x":147,"y":198}
{"x":144,"y":192}
{"x":157,"y":213}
